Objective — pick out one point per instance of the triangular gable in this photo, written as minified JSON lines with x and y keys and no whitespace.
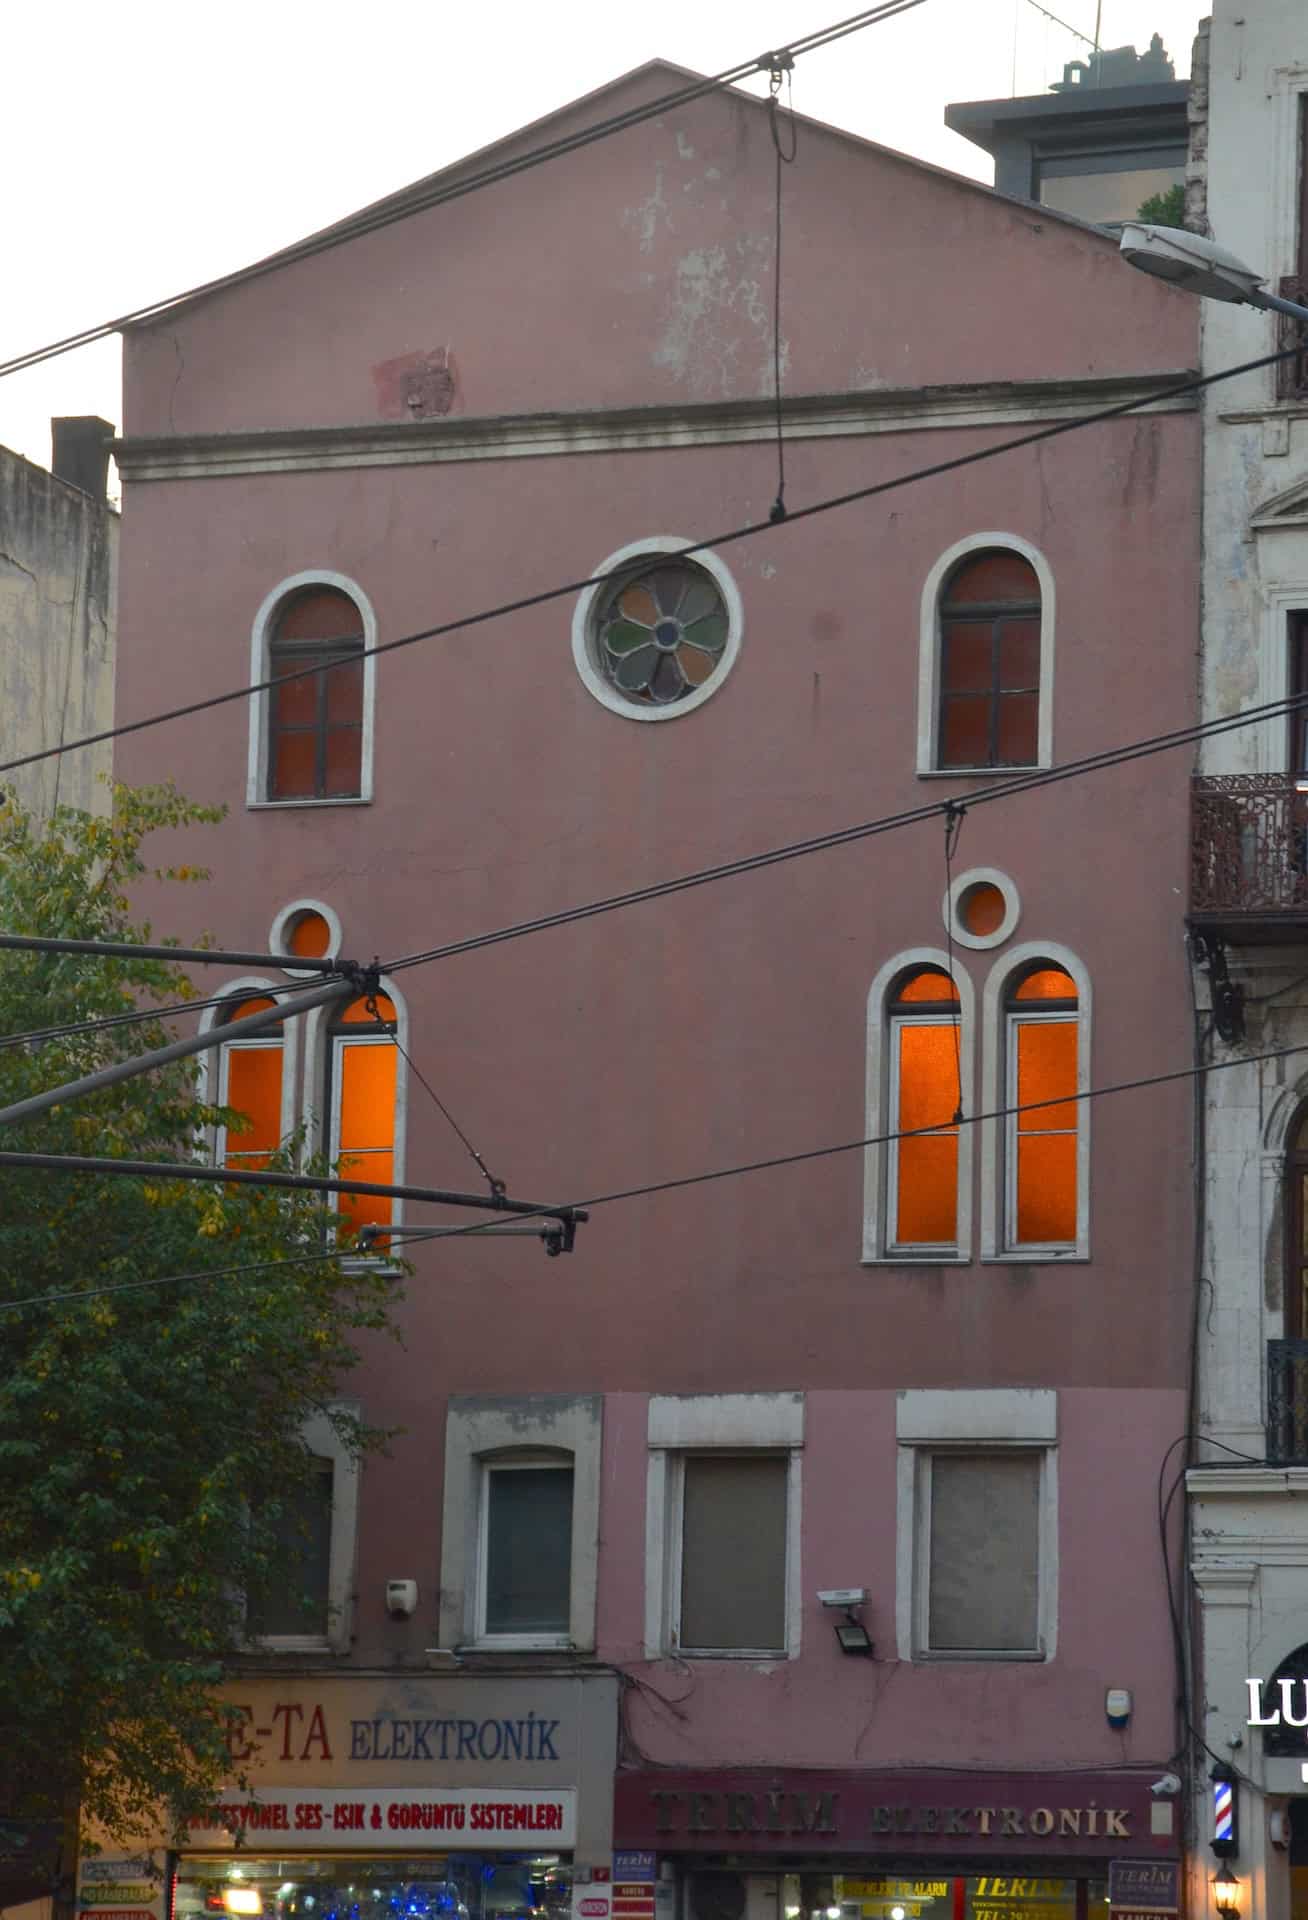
{"x":1284,"y":510}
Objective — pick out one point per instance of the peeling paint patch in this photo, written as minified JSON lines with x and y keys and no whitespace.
{"x":684,"y":149}
{"x":646,"y":214}
{"x":718,"y":325}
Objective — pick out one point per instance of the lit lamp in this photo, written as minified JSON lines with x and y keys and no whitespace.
{"x":1226,"y":1893}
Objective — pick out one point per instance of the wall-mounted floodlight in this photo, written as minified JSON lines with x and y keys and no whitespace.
{"x":1199,"y":266}
{"x":850,"y":1632}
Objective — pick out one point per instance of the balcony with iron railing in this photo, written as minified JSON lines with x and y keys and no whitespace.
{"x":1287,"y":1402}
{"x":1249,"y":856}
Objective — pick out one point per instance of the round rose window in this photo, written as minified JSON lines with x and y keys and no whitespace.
{"x":661,"y":634}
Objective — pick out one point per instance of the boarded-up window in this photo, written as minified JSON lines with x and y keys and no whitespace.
{"x":528,"y":1549}
{"x":293,"y":1599}
{"x":1043,"y":1043}
{"x":983,"y":1577}
{"x":990,"y":664}
{"x":733,"y":1552}
{"x":364,"y":1080}
{"x":925,"y":1092}
{"x":250,"y":1082}
{"x":315,"y":709}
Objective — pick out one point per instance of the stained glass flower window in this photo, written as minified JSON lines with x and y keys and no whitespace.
{"x":661,"y":635}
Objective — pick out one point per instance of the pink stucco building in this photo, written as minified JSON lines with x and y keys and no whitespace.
{"x":943,"y":1370}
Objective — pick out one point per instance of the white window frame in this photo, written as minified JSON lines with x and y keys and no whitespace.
{"x":281,"y":928}
{"x":971,"y":1421}
{"x":213,"y":1064}
{"x":997,"y":1136}
{"x":583,"y":625}
{"x":880,"y":1158}
{"x":321,"y":1439}
{"x":928,"y":677}
{"x":736,"y":1424}
{"x":539,"y":1428}
{"x":520,"y":1462}
{"x":261,"y":635}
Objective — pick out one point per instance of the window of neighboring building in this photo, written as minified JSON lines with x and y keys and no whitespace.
{"x":658,"y":634}
{"x":250,"y":1082}
{"x":1298,"y":677}
{"x":986,"y":658}
{"x":1292,"y":375}
{"x":362,"y":1088}
{"x":311,"y":728}
{"x":525,"y":1557}
{"x":990,"y":663}
{"x":1295,"y":1229}
{"x":520,"y":1523}
{"x":926,"y":1091}
{"x":1041,"y":1041}
{"x":722,"y":1525}
{"x":977,"y":1523}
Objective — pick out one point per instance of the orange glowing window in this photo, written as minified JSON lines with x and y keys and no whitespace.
{"x":250,"y":1083}
{"x":925,"y":1093}
{"x":363,"y":1089}
{"x":981,"y":909}
{"x":309,"y":937}
{"x":1043,"y":1044}
{"x":315,"y":706}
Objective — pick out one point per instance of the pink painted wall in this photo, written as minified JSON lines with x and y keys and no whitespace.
{"x":827,"y":1709}
{"x":639,"y":272}
{"x":726,"y":1024}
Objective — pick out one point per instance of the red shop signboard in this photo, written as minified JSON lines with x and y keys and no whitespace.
{"x":1086,"y":1815}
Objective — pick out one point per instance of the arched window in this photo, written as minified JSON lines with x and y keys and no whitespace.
{"x":1042,"y":1184}
{"x":250,"y":1081}
{"x":1295,"y":1227}
{"x":362,"y":1087}
{"x":989,"y":680}
{"x":315,"y":713}
{"x":925,"y":1091}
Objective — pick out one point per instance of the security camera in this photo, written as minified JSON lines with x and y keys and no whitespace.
{"x":1165,"y":1787}
{"x":843,"y":1596}
{"x":401,"y":1599}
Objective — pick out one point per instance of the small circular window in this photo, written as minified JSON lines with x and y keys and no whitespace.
{"x":981,"y":908}
{"x":307,"y":930}
{"x":658,"y":639}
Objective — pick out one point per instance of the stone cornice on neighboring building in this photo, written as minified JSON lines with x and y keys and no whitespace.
{"x":641,"y":429}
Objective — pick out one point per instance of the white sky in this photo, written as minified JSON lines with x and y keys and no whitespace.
{"x":152,"y":144}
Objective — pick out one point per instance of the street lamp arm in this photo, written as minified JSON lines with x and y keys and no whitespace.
{"x":1275,"y":304}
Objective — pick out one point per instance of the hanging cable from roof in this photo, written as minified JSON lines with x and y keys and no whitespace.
{"x":783,"y":66}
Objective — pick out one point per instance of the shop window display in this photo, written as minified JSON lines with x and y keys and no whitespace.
{"x":463,"y":1886}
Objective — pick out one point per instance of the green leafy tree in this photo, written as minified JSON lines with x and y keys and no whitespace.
{"x":150,"y":1450}
{"x":1164,"y":209}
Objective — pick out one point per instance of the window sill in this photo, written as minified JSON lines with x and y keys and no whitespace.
{"x":281,"y":806}
{"x":1038,"y":1257}
{"x":940,"y":1259}
{"x":982,"y":773}
{"x":519,"y":1643}
{"x":774,"y":1655}
{"x":981,"y":1656}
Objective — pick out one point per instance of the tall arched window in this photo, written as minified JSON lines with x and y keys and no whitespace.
{"x":315,"y":719}
{"x":925,"y":1091}
{"x":1295,"y":1227}
{"x":988,"y":712}
{"x":250,"y":1081}
{"x":1041,"y":1058}
{"x":361,"y":1104}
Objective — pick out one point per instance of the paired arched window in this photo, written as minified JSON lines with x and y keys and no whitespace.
{"x":362,"y":1083}
{"x":924,"y":1109}
{"x":1295,"y":1227}
{"x":985,"y":676}
{"x":251,"y":1081}
{"x":311,"y":729}
{"x":1041,"y":1047}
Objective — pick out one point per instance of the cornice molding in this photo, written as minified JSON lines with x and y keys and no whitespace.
{"x":638,"y":429}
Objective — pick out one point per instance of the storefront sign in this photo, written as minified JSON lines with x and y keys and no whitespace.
{"x":890,"y":1813}
{"x":634,"y":1865}
{"x":1284,"y":1706}
{"x":403,"y":1817}
{"x":1144,"y":1887}
{"x":124,"y":1887}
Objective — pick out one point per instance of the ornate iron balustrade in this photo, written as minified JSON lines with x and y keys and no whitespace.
{"x":1287,"y":1402}
{"x":1248,"y":844}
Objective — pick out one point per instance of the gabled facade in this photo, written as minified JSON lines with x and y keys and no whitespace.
{"x":939,"y":1370}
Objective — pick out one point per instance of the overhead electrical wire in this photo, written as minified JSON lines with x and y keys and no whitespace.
{"x":401,"y":205}
{"x":528,"y":602}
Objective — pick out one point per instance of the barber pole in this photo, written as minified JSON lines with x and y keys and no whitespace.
{"x":1225,"y":1839}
